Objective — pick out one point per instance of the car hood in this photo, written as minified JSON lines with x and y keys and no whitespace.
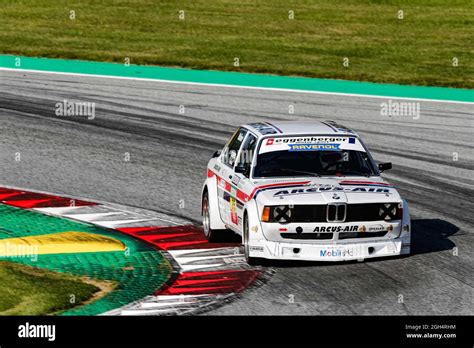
{"x":325,"y":190}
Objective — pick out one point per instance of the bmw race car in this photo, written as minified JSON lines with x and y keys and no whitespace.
{"x":303,"y":191}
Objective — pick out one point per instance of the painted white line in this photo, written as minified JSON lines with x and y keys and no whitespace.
{"x":158,"y":304}
{"x":89,"y":217}
{"x":190,"y":259}
{"x":187,"y":268}
{"x":117,"y":223}
{"x":235,"y":86}
{"x":181,"y":253}
{"x":177,"y":297}
{"x":58,"y":210}
{"x":145,"y":312}
{"x":172,"y":304}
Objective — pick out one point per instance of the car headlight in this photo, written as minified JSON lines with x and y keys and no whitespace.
{"x":279,"y":213}
{"x":391,"y":211}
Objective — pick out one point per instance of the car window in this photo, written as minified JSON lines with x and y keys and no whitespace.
{"x":247,"y":150}
{"x":229,"y":155}
{"x":313,"y":163}
{"x":313,"y":155}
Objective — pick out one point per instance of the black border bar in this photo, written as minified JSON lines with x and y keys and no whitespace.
{"x":226,"y":330}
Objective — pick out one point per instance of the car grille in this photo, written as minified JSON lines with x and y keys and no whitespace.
{"x":363,"y":212}
{"x":309,"y":213}
{"x":354,"y":212}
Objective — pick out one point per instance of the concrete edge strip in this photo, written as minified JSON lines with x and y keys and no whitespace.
{"x":236,"y":79}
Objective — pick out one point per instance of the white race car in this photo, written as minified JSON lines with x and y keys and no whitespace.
{"x":303,"y":191}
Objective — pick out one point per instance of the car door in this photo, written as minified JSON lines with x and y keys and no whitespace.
{"x":240,"y":180}
{"x":225,"y":187}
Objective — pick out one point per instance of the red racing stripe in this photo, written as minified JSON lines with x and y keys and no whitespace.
{"x":241,"y":195}
{"x":361,"y":182}
{"x":293,"y":183}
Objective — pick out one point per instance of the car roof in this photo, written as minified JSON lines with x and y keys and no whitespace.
{"x":299,"y":128}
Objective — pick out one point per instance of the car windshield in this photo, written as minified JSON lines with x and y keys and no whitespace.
{"x":314,"y":159}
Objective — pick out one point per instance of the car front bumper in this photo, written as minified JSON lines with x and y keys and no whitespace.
{"x":330,"y":252}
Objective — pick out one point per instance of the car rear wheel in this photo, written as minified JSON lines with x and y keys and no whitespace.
{"x":210,"y":234}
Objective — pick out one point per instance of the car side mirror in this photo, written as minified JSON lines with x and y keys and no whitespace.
{"x":242,"y":169}
{"x":216,"y":154}
{"x":385,"y":166}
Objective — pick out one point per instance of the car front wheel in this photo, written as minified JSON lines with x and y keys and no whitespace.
{"x":253,"y":261}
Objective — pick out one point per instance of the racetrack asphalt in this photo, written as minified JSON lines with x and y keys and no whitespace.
{"x":169,"y":150}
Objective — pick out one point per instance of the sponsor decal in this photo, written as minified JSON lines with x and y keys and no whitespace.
{"x":336,"y":253}
{"x":314,"y":147}
{"x":352,"y":228}
{"x":221,"y":183}
{"x":256,"y":249}
{"x":331,"y":188}
{"x":226,"y":188}
{"x":313,"y":143}
{"x":233,"y":211}
{"x":376,"y":228}
{"x":235,"y":181}
{"x":364,"y":183}
{"x":305,"y":140}
{"x":259,"y":189}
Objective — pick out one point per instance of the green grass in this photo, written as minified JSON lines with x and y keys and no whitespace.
{"x":25,"y":290}
{"x":416,"y":50}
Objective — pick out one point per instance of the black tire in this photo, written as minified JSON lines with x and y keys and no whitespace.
{"x":252,"y":261}
{"x":210,"y":234}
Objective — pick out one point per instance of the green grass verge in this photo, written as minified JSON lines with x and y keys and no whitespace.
{"x":418,"y":49}
{"x":25,"y":290}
